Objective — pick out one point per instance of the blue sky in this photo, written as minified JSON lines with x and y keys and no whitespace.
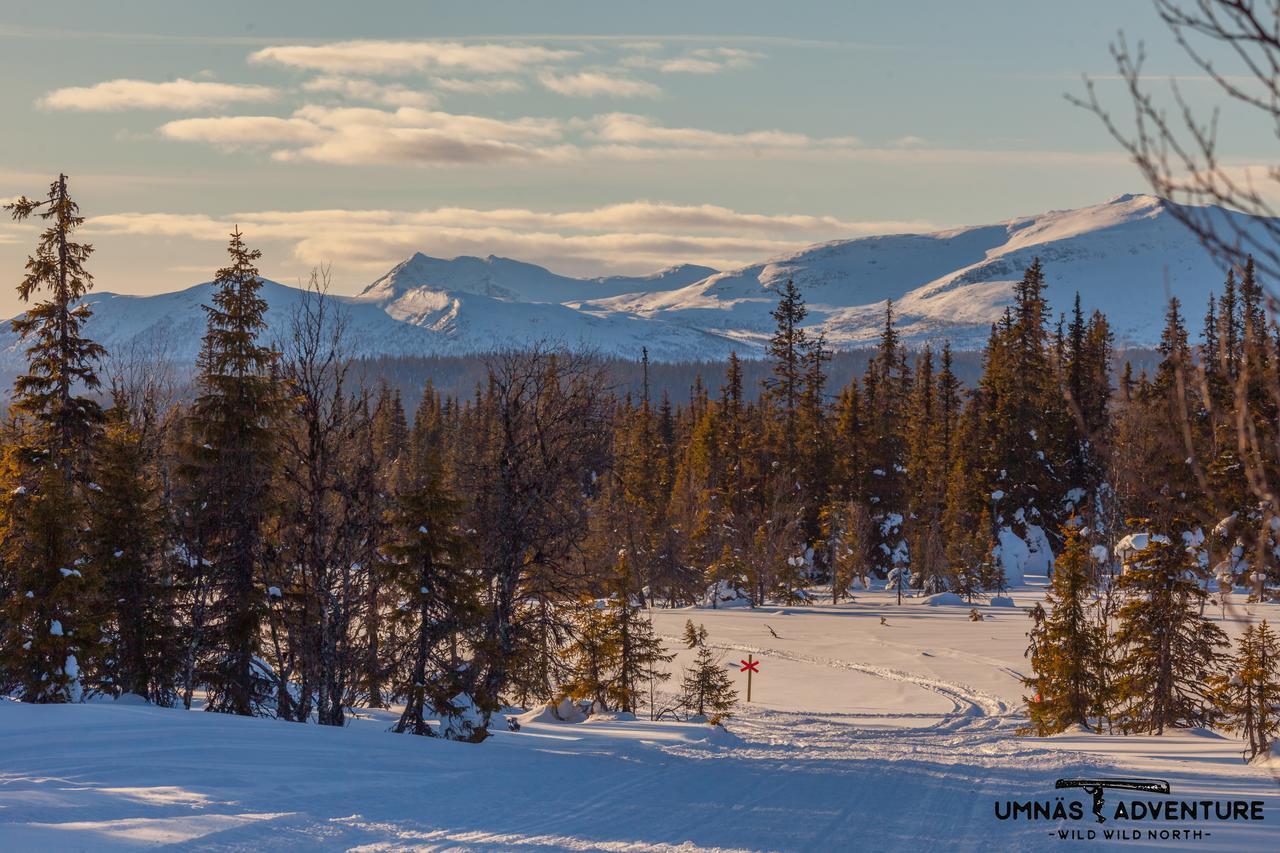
{"x":592,"y":137}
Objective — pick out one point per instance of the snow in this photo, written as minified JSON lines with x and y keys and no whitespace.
{"x":1132,"y":543}
{"x":1122,"y":256}
{"x":944,"y":598}
{"x":1013,"y":555}
{"x":873,"y":727}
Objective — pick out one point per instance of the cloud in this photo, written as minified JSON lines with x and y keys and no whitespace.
{"x":368,"y":136}
{"x":404,"y":57}
{"x":626,"y":129}
{"x":710,"y":60}
{"x":637,"y":236}
{"x":414,"y":136}
{"x":909,"y":141}
{"x":355,"y":89}
{"x":239,"y":131}
{"x":178,"y":94}
{"x":591,"y":84}
{"x":354,"y":136}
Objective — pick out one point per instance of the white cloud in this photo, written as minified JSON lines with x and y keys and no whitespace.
{"x":710,"y":60}
{"x":403,"y":57}
{"x":368,"y":136}
{"x":627,"y":129}
{"x":356,"y":89}
{"x":242,"y":130}
{"x":178,"y":94}
{"x":415,"y":136}
{"x":591,"y":84}
{"x":633,"y":237}
{"x":909,"y":141}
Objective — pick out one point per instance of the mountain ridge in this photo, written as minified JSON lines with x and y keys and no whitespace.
{"x":1125,"y":257}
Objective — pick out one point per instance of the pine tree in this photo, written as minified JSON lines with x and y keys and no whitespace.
{"x":1168,"y":646}
{"x":1064,"y":649}
{"x":46,"y":629}
{"x":848,"y":536}
{"x":1247,"y":698}
{"x":62,"y":361}
{"x":388,"y":437}
{"x":694,"y":636}
{"x":226,"y":473}
{"x":593,"y":655}
{"x":706,"y":690}
{"x":639,"y":649}
{"x":439,"y":604}
{"x":787,"y":348}
{"x":135,"y":595}
{"x":1023,"y":414}
{"x":887,"y":389}
{"x":927,"y":466}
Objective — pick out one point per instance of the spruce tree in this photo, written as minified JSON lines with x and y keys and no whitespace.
{"x":639,"y":649}
{"x":784,"y":389}
{"x":887,"y":389}
{"x":1064,"y":649}
{"x":1247,"y":697}
{"x":706,"y":690}
{"x":438,"y":605}
{"x":135,"y":595}
{"x":61,"y":360}
{"x":593,"y":655}
{"x":1168,"y":646}
{"x":693,"y":636}
{"x":1023,"y":413}
{"x":226,"y":476}
{"x":46,"y":629}
{"x":388,"y":437}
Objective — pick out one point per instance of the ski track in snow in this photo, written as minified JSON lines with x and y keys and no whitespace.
{"x":915,"y":763}
{"x":980,"y":726}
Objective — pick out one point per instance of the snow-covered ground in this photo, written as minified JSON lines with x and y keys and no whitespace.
{"x":862,"y":735}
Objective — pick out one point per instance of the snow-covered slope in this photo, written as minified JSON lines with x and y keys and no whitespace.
{"x":516,"y":281}
{"x":419,"y":322}
{"x":1125,"y":257}
{"x":872,"y":726}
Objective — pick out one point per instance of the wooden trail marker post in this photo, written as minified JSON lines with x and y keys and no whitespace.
{"x":749,"y":666}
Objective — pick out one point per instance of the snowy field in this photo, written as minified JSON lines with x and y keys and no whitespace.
{"x":861,"y":736}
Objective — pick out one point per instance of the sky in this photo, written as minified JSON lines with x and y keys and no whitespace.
{"x":591,"y":137}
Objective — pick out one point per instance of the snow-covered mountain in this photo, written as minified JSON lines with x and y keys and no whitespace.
{"x":1125,"y":257}
{"x":516,"y":281}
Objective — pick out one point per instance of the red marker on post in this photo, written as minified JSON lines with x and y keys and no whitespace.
{"x":749,"y":666}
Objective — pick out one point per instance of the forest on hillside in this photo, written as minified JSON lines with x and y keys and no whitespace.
{"x":286,"y":540}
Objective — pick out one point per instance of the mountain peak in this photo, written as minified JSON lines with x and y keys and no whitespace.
{"x":1124,"y":256}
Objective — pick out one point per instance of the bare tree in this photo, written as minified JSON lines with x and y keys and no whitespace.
{"x":1236,"y":45}
{"x":315,"y":596}
{"x":539,"y":444}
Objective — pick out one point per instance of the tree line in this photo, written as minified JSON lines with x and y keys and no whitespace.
{"x":287,"y":539}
